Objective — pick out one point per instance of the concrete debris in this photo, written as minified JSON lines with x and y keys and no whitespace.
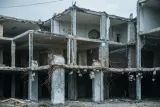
{"x":12,"y":101}
{"x":91,"y":75}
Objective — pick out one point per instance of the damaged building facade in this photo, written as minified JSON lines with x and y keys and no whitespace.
{"x":80,"y":54}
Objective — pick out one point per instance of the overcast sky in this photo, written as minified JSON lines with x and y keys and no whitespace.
{"x":117,"y":7}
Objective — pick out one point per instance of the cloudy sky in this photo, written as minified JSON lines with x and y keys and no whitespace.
{"x":45,"y":11}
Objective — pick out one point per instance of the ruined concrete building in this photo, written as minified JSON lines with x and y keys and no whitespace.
{"x":81,"y":54}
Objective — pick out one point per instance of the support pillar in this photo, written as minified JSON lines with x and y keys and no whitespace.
{"x":32,"y":76}
{"x":13,"y":54}
{"x":13,"y":86}
{"x":1,"y":76}
{"x":1,"y":55}
{"x":104,"y":50}
{"x":131,"y":57}
{"x":72,"y":79}
{"x":58,"y":82}
{"x":97,"y":86}
{"x":138,"y":55}
{"x":131,"y":64}
{"x":138,"y":87}
{"x":72,"y":86}
{"x":138,"y":65}
{"x":1,"y":85}
{"x":55,"y":26}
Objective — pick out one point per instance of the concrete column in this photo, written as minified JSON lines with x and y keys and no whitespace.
{"x":13,"y":86}
{"x":138,"y":53}
{"x":138,"y":87}
{"x":58,"y":82}
{"x":73,"y":33}
{"x":34,"y":90}
{"x":32,"y":76}
{"x":1,"y":85}
{"x":13,"y":54}
{"x":72,"y":79}
{"x":72,"y":86}
{"x":69,"y":51}
{"x":55,"y":26}
{"x":131,"y":56}
{"x":1,"y":76}
{"x":138,"y":65}
{"x":1,"y":56}
{"x":1,"y":30}
{"x":131,"y":64}
{"x":97,"y":86}
{"x":104,"y":49}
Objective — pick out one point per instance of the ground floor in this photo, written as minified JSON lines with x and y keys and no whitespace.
{"x":65,"y":85}
{"x":87,"y":103}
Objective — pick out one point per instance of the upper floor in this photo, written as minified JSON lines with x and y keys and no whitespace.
{"x":89,"y":24}
{"x":148,"y":15}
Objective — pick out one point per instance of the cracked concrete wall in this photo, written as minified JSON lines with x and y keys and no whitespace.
{"x":149,"y":18}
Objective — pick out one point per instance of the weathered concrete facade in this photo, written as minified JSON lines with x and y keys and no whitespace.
{"x":147,"y":45}
{"x":78,"y":54}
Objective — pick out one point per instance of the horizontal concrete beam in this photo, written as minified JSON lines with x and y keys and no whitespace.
{"x":150,"y":32}
{"x":98,"y":68}
{"x":142,"y":1}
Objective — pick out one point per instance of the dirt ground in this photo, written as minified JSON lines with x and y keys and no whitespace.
{"x":115,"y":103}
{"x":85,"y":103}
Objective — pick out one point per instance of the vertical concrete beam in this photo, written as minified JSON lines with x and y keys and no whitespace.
{"x":131,"y":56}
{"x":1,"y":85}
{"x":72,"y":86}
{"x":72,"y":79}
{"x":32,"y":76}
{"x":30,"y":65}
{"x":97,"y":85}
{"x":104,"y":61}
{"x":69,"y":51}
{"x":138,"y":87}
{"x":106,"y":83}
{"x":1,"y":55}
{"x":1,"y":30}
{"x":138,"y":57}
{"x":13,"y":86}
{"x":13,"y":53}
{"x":107,"y":42}
{"x":73,"y":33}
{"x":104,"y":49}
{"x":131,"y":64}
{"x":55,"y":26}
{"x":52,"y":24}
{"x":58,"y":82}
